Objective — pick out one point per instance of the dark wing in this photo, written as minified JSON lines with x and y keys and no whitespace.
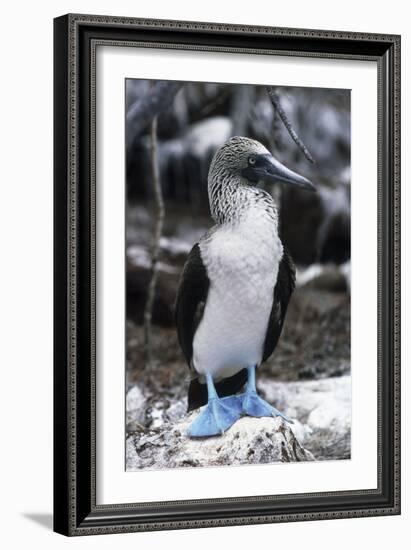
{"x":190,"y":301}
{"x":282,"y":293}
{"x":189,"y":308}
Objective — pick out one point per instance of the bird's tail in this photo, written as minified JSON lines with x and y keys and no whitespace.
{"x":197,"y":392}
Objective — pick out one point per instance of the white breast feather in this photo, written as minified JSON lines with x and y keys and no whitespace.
{"x":242,"y":265}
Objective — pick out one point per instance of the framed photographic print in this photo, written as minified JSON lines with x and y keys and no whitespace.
{"x":227,"y":277}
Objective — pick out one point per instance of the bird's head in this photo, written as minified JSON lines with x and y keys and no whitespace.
{"x":249,"y":161}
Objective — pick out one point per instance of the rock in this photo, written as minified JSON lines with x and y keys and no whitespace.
{"x":248,"y":441}
{"x":137,"y":281}
{"x":184,"y":161}
{"x":320,"y":409}
{"x":315,"y":342}
{"x":180,"y":234}
{"x":323,"y":410}
{"x":329,"y":277}
{"x":346,"y":271}
{"x":135,"y":408}
{"x":322,"y":233}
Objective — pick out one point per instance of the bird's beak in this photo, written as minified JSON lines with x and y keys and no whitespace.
{"x":268,"y":169}
{"x":277,"y":172}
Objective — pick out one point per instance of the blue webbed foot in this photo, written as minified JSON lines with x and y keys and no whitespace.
{"x":217,"y":416}
{"x":233,"y":402}
{"x":254,"y":405}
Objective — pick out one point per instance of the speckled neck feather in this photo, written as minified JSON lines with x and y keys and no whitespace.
{"x":231,"y":196}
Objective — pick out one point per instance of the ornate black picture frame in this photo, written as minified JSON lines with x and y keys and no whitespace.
{"x":76,"y":38}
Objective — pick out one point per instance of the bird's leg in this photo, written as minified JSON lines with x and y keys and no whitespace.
{"x":217,"y":416}
{"x":253,"y":404}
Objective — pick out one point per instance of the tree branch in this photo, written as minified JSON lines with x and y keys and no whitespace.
{"x":158,"y":196}
{"x":275,"y":100}
{"x":142,"y":112}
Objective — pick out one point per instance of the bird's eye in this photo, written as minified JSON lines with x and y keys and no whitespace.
{"x":251,"y":160}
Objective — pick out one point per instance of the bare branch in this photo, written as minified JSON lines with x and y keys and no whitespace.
{"x":275,"y":100}
{"x":141,"y":113}
{"x":159,"y":201}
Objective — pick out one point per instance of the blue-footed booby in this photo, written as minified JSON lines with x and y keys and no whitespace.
{"x":235,"y":288}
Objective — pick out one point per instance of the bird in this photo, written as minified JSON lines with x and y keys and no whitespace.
{"x":235,"y":287}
